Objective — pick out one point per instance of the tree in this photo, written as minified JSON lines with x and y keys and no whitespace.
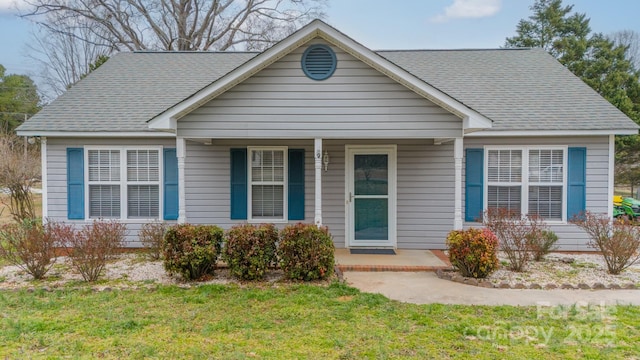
{"x":602,"y":63}
{"x":631,"y":40}
{"x":18,"y":99}
{"x":552,"y":28}
{"x":65,"y":48}
{"x":183,"y":25}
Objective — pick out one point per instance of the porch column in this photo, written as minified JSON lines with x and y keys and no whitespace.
{"x":181,"y":153}
{"x":457,"y":197}
{"x":317,"y":154}
{"x":44,"y":179}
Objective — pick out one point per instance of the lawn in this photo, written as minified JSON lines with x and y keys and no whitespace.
{"x":298,"y":321}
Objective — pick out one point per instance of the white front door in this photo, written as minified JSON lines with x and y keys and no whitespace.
{"x":370,"y":195}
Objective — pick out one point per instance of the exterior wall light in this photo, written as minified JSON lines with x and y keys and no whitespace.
{"x":325,"y":160}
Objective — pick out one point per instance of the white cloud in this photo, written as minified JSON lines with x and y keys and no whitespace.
{"x":468,"y":9}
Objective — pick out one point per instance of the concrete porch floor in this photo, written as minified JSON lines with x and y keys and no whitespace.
{"x":404,"y":260}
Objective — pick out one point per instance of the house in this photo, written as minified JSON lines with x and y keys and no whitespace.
{"x":386,"y":148}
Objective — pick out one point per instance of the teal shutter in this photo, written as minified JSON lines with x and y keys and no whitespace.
{"x":171,"y":196}
{"x":576,"y":181}
{"x":296,"y":184}
{"x":474,"y":184}
{"x":75,"y":183}
{"x":239,"y":184}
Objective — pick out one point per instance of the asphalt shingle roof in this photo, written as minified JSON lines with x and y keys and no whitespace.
{"x":519,"y":89}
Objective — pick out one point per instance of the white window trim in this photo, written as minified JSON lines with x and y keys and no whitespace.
{"x":524,"y":183}
{"x":285,"y":183}
{"x":123,"y":181}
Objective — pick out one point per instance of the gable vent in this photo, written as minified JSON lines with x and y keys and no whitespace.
{"x":319,"y":62}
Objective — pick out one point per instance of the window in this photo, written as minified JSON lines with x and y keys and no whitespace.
{"x":267,"y":174}
{"x":527,"y":180}
{"x":123,"y":183}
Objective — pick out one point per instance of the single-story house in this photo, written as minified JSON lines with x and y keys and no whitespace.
{"x":386,"y":148}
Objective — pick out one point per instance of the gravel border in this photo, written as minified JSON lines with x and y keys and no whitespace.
{"x":129,"y":272}
{"x":556,"y":271}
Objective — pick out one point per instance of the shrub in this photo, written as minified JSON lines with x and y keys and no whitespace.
{"x":152,"y":237}
{"x":91,"y":247}
{"x":192,"y":250}
{"x":618,"y":240}
{"x":541,"y":243}
{"x":473,"y":252}
{"x":250,"y":250}
{"x":31,"y":246}
{"x":514,"y":233}
{"x":306,"y":252}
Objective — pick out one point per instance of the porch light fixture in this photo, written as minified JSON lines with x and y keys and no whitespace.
{"x":325,"y":160}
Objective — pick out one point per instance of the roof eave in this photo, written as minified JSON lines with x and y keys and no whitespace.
{"x":517,"y":133}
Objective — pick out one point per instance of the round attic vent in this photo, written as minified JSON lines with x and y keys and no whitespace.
{"x":319,"y":62}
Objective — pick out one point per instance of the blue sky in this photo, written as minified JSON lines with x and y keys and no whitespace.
{"x":390,"y":24}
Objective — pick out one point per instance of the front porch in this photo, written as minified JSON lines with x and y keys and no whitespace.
{"x":403,"y":260}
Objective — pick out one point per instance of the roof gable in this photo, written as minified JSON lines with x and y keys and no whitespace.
{"x":168,"y":120}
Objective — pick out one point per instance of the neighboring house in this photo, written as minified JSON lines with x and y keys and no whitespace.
{"x":386,"y":148}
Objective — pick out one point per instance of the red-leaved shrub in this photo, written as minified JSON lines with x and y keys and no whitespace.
{"x":192,"y":250}
{"x":473,"y":252}
{"x":306,"y":252}
{"x":250,"y":249}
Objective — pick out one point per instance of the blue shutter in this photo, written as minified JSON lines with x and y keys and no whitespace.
{"x":239,"y":184}
{"x":576,"y":181}
{"x":171,"y":196}
{"x":75,"y":183}
{"x":296,"y":184}
{"x":474,"y":186}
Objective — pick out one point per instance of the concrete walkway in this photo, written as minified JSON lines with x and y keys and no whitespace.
{"x":427,"y":288}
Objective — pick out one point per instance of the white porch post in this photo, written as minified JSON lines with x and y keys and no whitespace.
{"x":44,"y":177}
{"x":317,"y":154}
{"x":457,"y":197}
{"x":610,"y":189}
{"x":181,"y":153}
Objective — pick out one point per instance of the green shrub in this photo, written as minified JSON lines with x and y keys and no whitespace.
{"x":192,"y":250}
{"x":31,"y":246}
{"x":541,"y":243}
{"x":473,"y":252}
{"x":250,"y":249}
{"x":152,"y":237}
{"x":90,"y":247}
{"x":306,"y":252}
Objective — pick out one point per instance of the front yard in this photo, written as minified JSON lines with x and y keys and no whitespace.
{"x":283,"y":320}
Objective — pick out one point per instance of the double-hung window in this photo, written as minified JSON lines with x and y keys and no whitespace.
{"x":267,"y":183}
{"x":527,"y":180}
{"x":123,"y":183}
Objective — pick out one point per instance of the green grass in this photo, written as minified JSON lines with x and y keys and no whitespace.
{"x":296,"y":321}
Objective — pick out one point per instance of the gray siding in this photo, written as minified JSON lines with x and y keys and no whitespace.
{"x":356,"y":102}
{"x":570,"y":236}
{"x":57,"y":177}
{"x":425,"y":185}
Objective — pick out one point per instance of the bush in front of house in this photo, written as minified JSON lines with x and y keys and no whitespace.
{"x":91,"y":247}
{"x":31,"y":246}
{"x":250,"y":249}
{"x":514,"y":233}
{"x":192,"y":250}
{"x":473,"y":252}
{"x":541,"y":243}
{"x":152,"y":237}
{"x":306,"y":252}
{"x":617,"y":239}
